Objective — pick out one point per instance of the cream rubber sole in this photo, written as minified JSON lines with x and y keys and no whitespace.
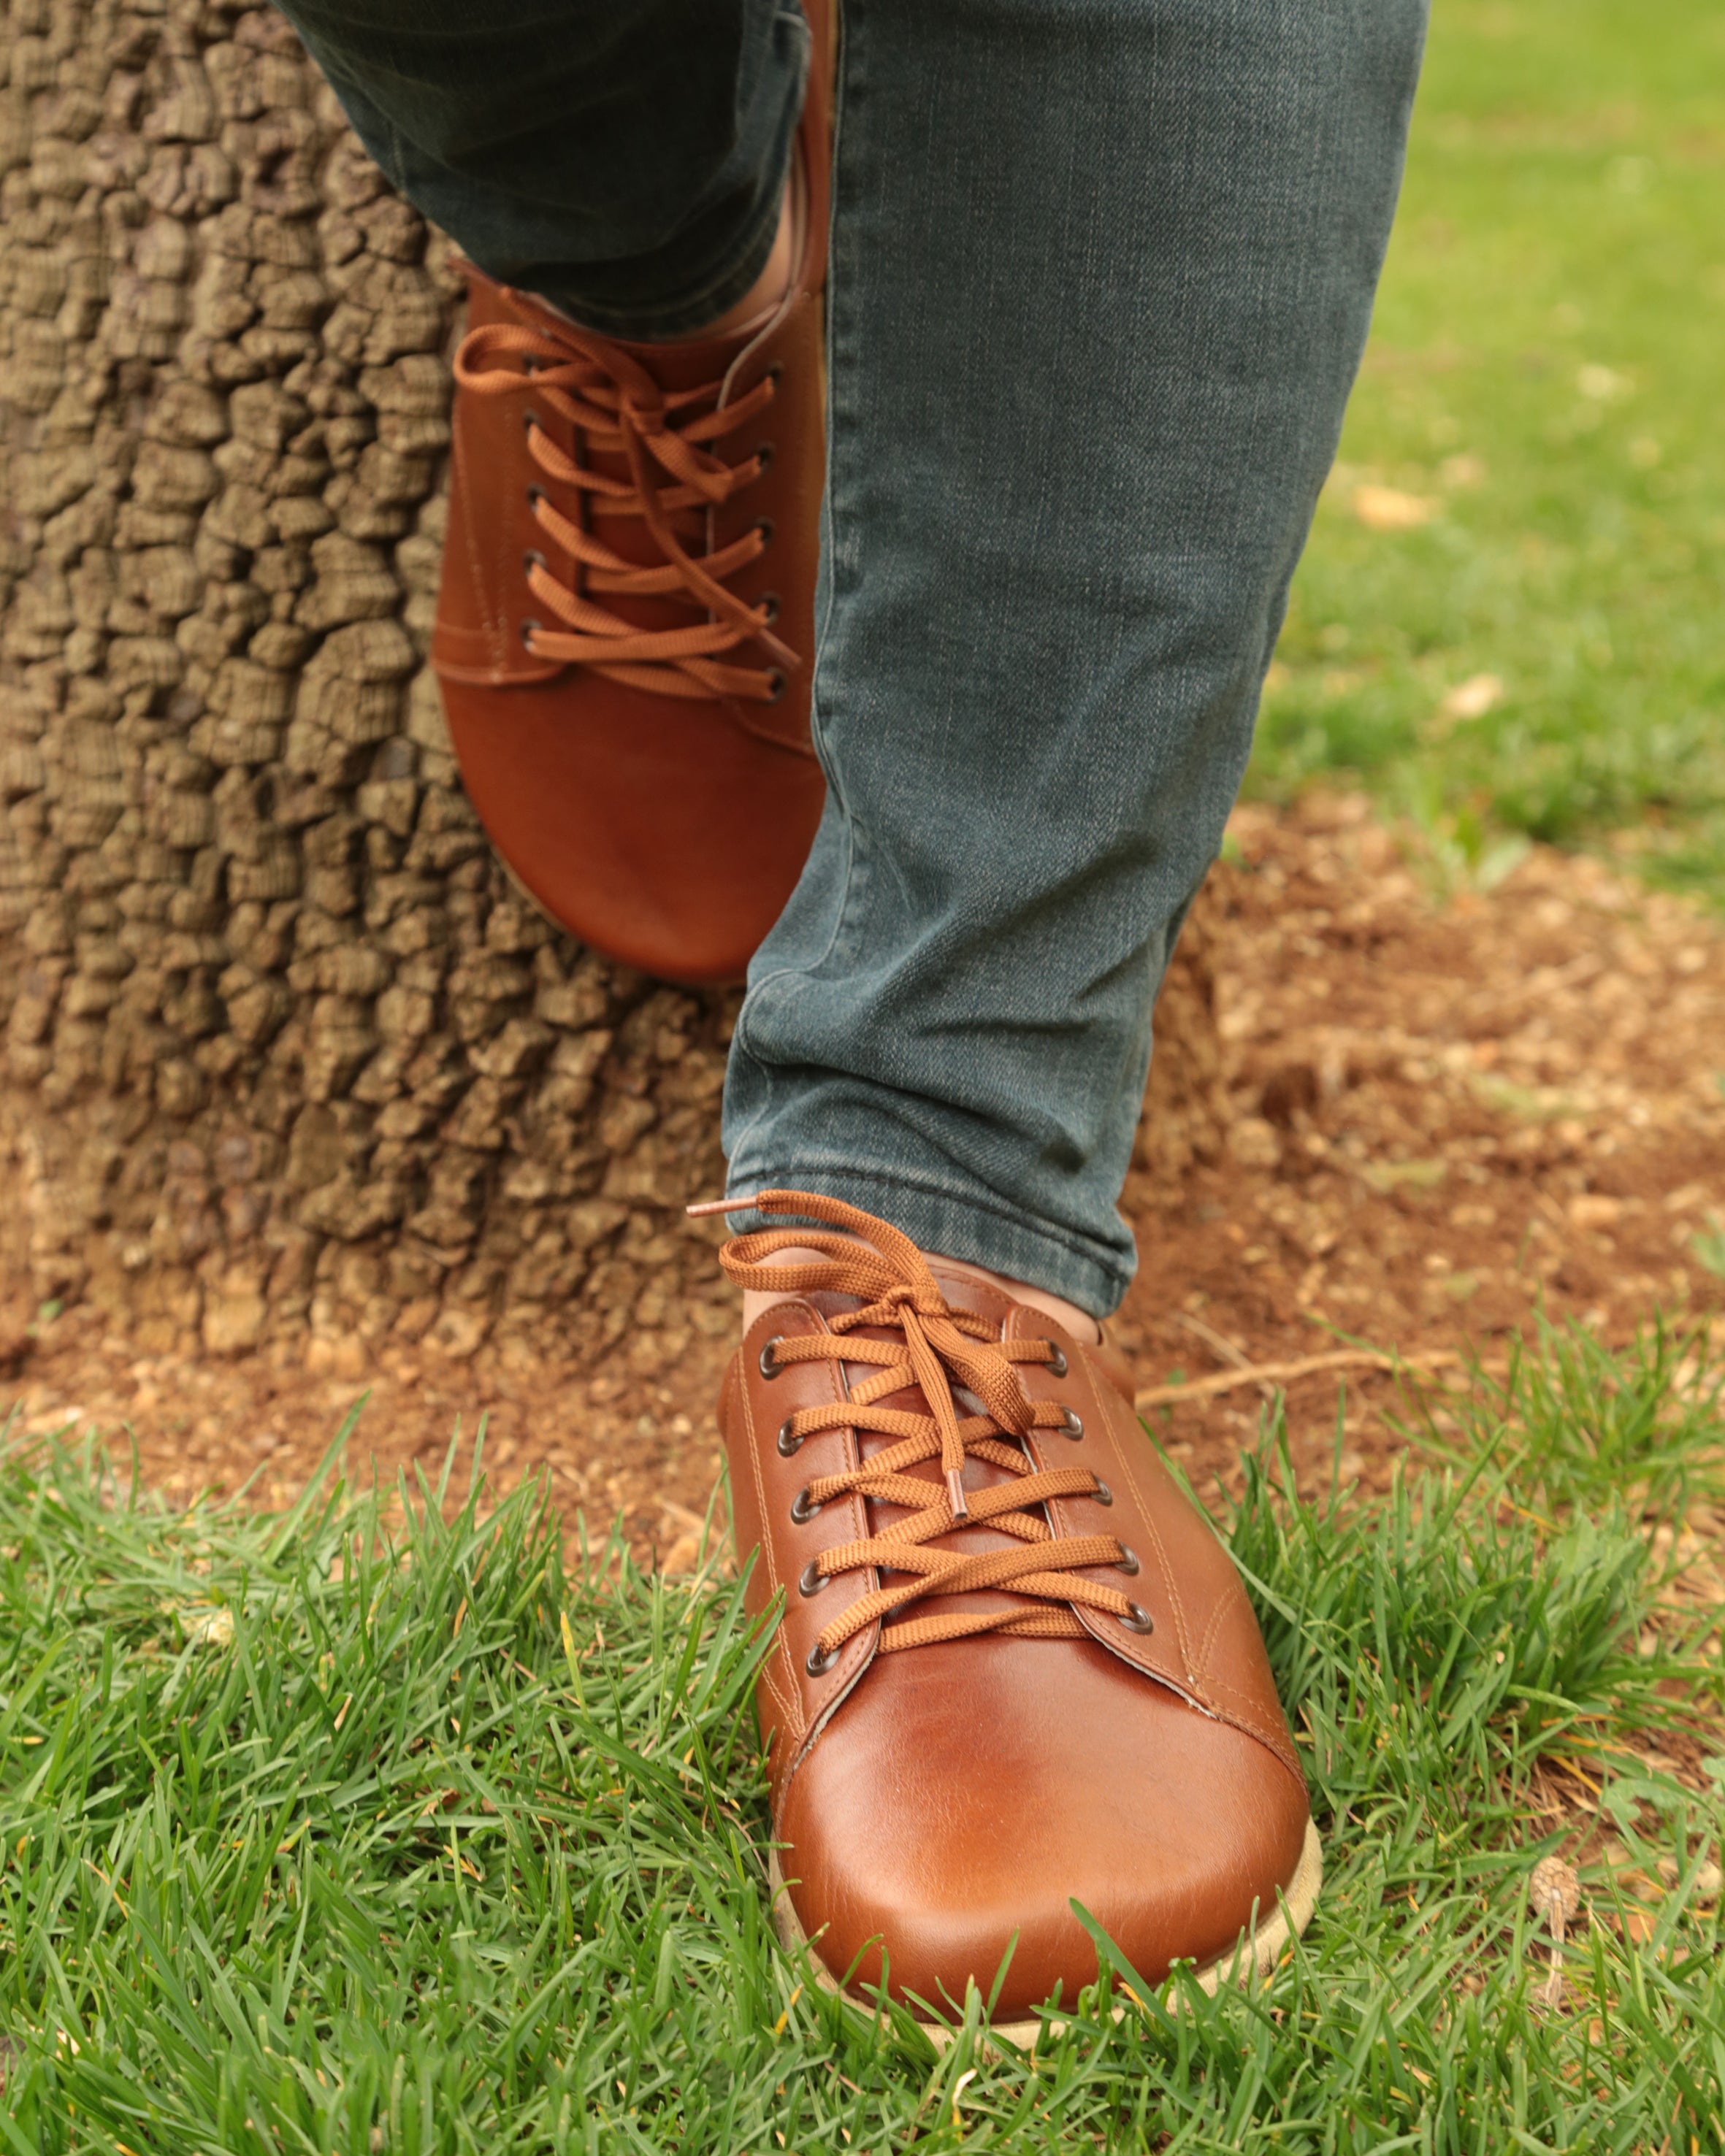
{"x":1251,"y":1955}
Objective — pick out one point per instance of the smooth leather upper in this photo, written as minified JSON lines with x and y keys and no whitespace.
{"x":937,"y":1800}
{"x":666,"y":831}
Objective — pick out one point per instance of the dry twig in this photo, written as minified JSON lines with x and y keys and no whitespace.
{"x":1281,"y":1374}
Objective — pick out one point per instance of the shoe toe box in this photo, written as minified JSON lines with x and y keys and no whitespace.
{"x":925,"y":1836}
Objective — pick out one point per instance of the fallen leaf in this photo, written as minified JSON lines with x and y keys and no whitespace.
{"x":1601,"y":384}
{"x":1386,"y":1176}
{"x":1473,"y":698}
{"x":214,"y":1627}
{"x":1388,"y":509}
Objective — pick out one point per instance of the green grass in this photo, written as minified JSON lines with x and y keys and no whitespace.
{"x":1544,"y":373}
{"x":352,"y":1830}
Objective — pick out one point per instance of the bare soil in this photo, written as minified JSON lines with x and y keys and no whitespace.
{"x":1452,"y":1109}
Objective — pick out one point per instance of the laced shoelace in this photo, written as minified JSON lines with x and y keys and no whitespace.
{"x":953,"y":1356}
{"x":666,"y":437}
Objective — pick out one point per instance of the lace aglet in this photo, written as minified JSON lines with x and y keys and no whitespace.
{"x":711,"y":1205}
{"x":955,"y":1493}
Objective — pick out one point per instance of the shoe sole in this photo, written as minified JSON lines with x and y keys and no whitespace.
{"x":1255,"y":1955}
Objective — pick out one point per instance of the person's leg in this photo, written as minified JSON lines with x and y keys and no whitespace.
{"x":1101,"y":275}
{"x":625,"y":162}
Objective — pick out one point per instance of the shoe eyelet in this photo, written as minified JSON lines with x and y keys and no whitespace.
{"x":763,"y":455}
{"x":803,"y":1510}
{"x":789,"y":1441}
{"x":763,"y":525}
{"x":1102,"y":1493}
{"x":1071,"y":1424}
{"x":529,"y":420}
{"x":770,"y":1366}
{"x":818,"y":1663}
{"x":775,"y":373}
{"x":532,"y":560}
{"x":529,"y":630}
{"x":1127,"y":1562}
{"x":770,"y":605}
{"x":535,"y":495}
{"x":1138,"y":1618}
{"x":1056,"y":1365}
{"x":812,"y":1579}
{"x":778,"y":682}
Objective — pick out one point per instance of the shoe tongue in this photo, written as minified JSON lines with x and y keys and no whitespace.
{"x":963,"y":1293}
{"x":692,"y":362}
{"x":697,"y":364}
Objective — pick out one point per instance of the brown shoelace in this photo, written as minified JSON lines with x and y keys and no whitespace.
{"x":942,"y":1351}
{"x":666,"y":436}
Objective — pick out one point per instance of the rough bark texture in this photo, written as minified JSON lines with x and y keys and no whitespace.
{"x":282,"y":1047}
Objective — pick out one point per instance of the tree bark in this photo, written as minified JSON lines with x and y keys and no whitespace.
{"x":283,"y":1048}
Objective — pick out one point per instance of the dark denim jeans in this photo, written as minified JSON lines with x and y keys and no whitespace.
{"x":1101,"y":273}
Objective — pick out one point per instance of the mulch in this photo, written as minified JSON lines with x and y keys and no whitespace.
{"x":1454,"y":1110}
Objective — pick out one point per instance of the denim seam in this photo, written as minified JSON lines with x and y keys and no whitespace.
{"x":829,"y":306}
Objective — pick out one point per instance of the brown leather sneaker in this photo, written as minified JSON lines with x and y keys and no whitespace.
{"x":625,"y":634}
{"x":1015,"y":1667}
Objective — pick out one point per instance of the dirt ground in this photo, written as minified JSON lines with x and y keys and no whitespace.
{"x":1453,"y":1107}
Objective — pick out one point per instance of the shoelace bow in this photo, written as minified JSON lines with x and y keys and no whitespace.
{"x":617,"y":408}
{"x":943,"y":1352}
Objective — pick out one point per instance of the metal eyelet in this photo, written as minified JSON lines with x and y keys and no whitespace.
{"x":529,"y":630}
{"x":818,"y":1663}
{"x":770,"y":1366}
{"x":801,"y":1510}
{"x":770,"y":605}
{"x":763,"y":525}
{"x":532,"y":560}
{"x":1102,"y":1493}
{"x":1127,"y":1561}
{"x":789,"y":1441}
{"x":763,"y":455}
{"x":1056,"y":1364}
{"x":775,"y":373}
{"x":778,"y":682}
{"x":535,"y":495}
{"x":811,"y":1578}
{"x":529,"y":420}
{"x":1138,"y":1619}
{"x":1071,"y":1424}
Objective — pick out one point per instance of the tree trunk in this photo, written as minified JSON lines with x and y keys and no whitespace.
{"x":283,"y":1048}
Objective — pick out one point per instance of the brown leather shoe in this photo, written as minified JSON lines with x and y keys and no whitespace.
{"x":625,"y":634}
{"x":971,"y":1726}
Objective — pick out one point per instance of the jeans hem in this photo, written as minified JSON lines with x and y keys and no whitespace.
{"x":690,"y":313}
{"x":958,"y":1224}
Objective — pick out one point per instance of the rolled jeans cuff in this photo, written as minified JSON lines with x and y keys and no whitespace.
{"x":955,"y":1220}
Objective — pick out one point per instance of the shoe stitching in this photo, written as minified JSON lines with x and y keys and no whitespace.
{"x":1276,"y":1740}
{"x":1182,"y":1628}
{"x":1207,"y":1644}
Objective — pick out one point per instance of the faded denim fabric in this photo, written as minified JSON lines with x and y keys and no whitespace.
{"x":1102,"y":271}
